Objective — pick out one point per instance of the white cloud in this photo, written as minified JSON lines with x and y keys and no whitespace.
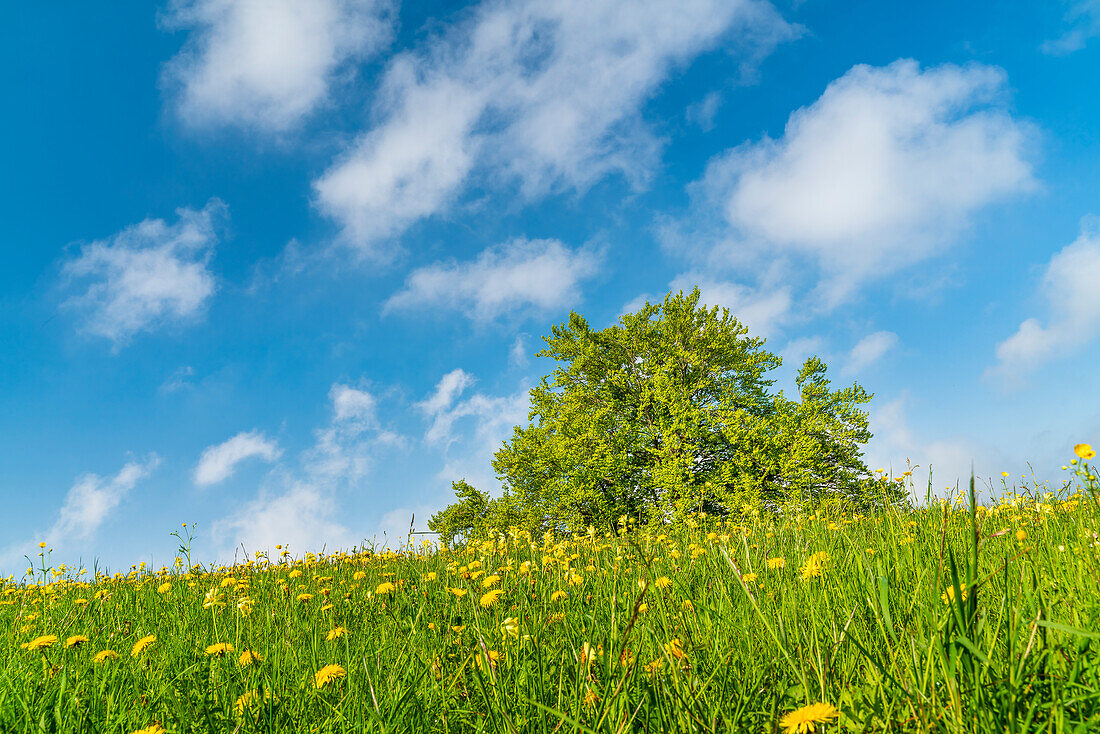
{"x":477,"y":425}
{"x":869,"y":350}
{"x":148,"y":275}
{"x":219,"y":462}
{"x":895,"y":446}
{"x":703,"y":112}
{"x":1069,"y":286}
{"x":762,"y":310}
{"x":1083,"y":20}
{"x":797,"y":351}
{"x":521,"y":274}
{"x":267,"y":65}
{"x":545,"y":93}
{"x":302,"y":507}
{"x":883,"y":170}
{"x":92,"y":499}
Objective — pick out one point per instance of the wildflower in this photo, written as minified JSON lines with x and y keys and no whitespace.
{"x":164,"y":588}
{"x":1004,"y":474}
{"x":336,"y":633}
{"x":489,"y":598}
{"x":359,"y":576}
{"x":248,"y":657}
{"x":304,"y":597}
{"x":41,"y":545}
{"x":1085,"y":451}
{"x":430,"y":576}
{"x":687,"y":606}
{"x":327,"y":674}
{"x":1021,"y":535}
{"x":104,"y":655}
{"x":663,"y":583}
{"x":153,"y":728}
{"x":643,"y":608}
{"x":749,"y":578}
{"x":458,"y":592}
{"x":384,"y":588}
{"x":510,"y":627}
{"x":39,"y":643}
{"x":244,"y":605}
{"x":295,"y":573}
{"x":75,"y":641}
{"x":949,"y":595}
{"x":229,"y":582}
{"x":776,"y":563}
{"x":212,"y":599}
{"x":490,"y":581}
{"x":142,"y":645}
{"x":488,"y":659}
{"x":245,"y":700}
{"x":675,"y":649}
{"x":559,"y":594}
{"x":457,"y":629}
{"x":803,"y":720}
{"x":814,"y":566}
{"x":218,"y":649}
{"x":575,"y":580}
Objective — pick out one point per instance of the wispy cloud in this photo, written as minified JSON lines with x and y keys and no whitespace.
{"x":870,"y":349}
{"x":267,"y":65}
{"x":149,"y":275}
{"x":300,"y":506}
{"x":1069,"y":287}
{"x":545,"y":95}
{"x":517,"y":276}
{"x":220,"y":461}
{"x":1083,"y":24}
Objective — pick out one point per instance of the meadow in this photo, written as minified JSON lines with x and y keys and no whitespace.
{"x":948,"y":616}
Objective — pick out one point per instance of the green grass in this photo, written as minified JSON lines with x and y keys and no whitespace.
{"x":872,"y":635}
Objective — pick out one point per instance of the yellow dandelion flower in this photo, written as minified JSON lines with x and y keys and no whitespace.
{"x":675,"y":649}
{"x":488,"y":659}
{"x":384,"y":588}
{"x":1021,"y":535}
{"x":490,"y":581}
{"x":575,"y":580}
{"x":142,"y":645}
{"x":40,"y":643}
{"x":805,"y":719}
{"x":304,"y":597}
{"x":164,"y":588}
{"x":218,"y":649}
{"x":559,"y":594}
{"x":75,"y":641}
{"x":359,"y":576}
{"x":246,"y":699}
{"x":104,"y":655}
{"x":949,"y":595}
{"x":776,"y":563}
{"x":643,"y":608}
{"x":295,"y":573}
{"x":430,"y":576}
{"x":153,"y":728}
{"x":489,"y":598}
{"x":687,"y":606}
{"x":212,"y":599}
{"x":336,"y":633}
{"x":458,"y":592}
{"x":749,"y":578}
{"x":1085,"y":451}
{"x":327,"y":674}
{"x":248,"y":657}
{"x":663,"y":583}
{"x":43,"y":545}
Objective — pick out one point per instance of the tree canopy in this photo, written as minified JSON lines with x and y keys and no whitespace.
{"x":670,"y":410}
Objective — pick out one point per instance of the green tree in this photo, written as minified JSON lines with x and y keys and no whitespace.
{"x":668,"y":411}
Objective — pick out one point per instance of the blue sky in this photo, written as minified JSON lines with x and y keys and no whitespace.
{"x":280,"y":268}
